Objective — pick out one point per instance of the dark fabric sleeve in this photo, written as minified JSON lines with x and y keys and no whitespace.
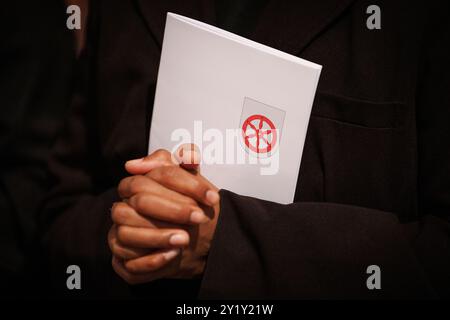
{"x":322,"y":250}
{"x":314,"y":250}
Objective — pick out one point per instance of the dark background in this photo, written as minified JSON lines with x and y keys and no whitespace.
{"x":38,"y":57}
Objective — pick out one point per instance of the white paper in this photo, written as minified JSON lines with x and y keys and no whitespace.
{"x":210,"y":82}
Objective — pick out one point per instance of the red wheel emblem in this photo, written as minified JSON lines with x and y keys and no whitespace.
{"x":259,"y":134}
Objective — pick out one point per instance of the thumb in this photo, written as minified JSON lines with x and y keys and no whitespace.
{"x":143,"y":165}
{"x":188,"y":156}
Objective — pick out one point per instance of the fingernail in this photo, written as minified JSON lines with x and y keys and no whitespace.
{"x":169,"y":255}
{"x":135,"y":161}
{"x":179,"y":239}
{"x":198,"y":217}
{"x":212,"y":197}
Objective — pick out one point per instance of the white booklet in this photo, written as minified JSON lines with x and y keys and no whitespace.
{"x":245,"y":105}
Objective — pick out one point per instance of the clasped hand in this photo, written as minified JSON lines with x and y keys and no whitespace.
{"x":165,"y":221}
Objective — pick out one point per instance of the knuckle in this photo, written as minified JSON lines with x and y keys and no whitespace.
{"x":196,"y":184}
{"x":154,"y":174}
{"x":122,"y":233}
{"x":120,"y":215}
{"x":152,"y":264}
{"x":139,"y":201}
{"x":161,"y":154}
{"x":123,"y":185}
{"x":135,"y":184}
{"x":169,"y":172}
{"x":131,"y":267}
{"x":111,"y":238}
{"x":163,"y":174}
{"x":116,"y":250}
{"x":199,"y":187}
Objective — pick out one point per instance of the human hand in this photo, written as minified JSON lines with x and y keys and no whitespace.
{"x":166,"y":221}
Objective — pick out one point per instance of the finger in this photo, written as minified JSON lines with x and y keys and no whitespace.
{"x":136,"y":184}
{"x":130,"y":278}
{"x":156,"y":159}
{"x":189,"y":156}
{"x":123,"y":214}
{"x":152,"y":262}
{"x":181,"y":181}
{"x":121,"y":251}
{"x":152,"y":238}
{"x":167,"y":209}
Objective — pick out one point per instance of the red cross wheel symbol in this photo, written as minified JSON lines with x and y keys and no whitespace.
{"x":259,"y":133}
